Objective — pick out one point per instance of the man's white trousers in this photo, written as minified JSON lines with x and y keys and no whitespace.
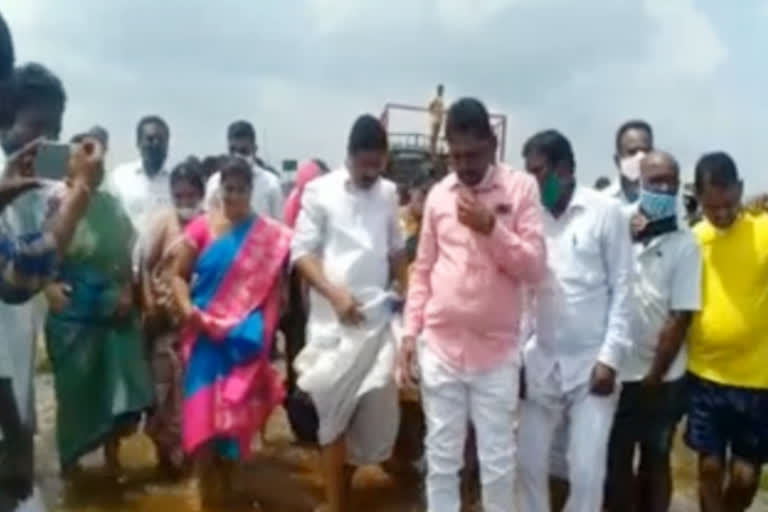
{"x":588,"y":419}
{"x":451,"y":399}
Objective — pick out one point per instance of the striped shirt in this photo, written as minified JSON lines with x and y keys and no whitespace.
{"x":27,"y":264}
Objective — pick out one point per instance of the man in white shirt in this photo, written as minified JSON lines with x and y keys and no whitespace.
{"x":143,"y":185}
{"x":267,"y":196}
{"x":667,"y":291}
{"x":346,"y":245}
{"x":582,"y":313}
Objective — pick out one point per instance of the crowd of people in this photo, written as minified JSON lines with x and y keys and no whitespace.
{"x":552,"y":335}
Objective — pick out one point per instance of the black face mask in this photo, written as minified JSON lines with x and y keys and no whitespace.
{"x":154,"y":157}
{"x":655,"y":229}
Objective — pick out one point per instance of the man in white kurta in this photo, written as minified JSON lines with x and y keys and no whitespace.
{"x":581,"y":331}
{"x":144,"y":185}
{"x":347,"y":237}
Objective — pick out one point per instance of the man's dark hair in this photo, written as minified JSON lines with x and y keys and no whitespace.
{"x":716,"y":169}
{"x":468,"y":116}
{"x":152,"y":119}
{"x":552,"y":145}
{"x":367,"y":134}
{"x":241,"y":130}
{"x":321,"y":165}
{"x":633,"y":124}
{"x":237,"y":167}
{"x":190,"y":171}
{"x":211,"y":164}
{"x":602,"y":183}
{"x":6,"y":72}
{"x":35,"y":85}
{"x":6,"y":51}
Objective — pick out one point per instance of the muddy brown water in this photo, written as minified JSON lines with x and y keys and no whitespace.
{"x":284,"y":477}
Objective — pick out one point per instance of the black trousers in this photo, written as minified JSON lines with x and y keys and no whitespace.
{"x":301,"y":412}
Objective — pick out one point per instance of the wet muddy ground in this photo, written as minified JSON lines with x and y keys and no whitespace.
{"x":284,"y":478}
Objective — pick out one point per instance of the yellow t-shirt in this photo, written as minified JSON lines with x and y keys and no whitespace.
{"x":728,"y":340}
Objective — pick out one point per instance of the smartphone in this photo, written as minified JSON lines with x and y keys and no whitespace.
{"x":52,"y":160}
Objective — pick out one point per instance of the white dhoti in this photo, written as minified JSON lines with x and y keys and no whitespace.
{"x":588,"y":419}
{"x":488,"y":399}
{"x":349,"y":374}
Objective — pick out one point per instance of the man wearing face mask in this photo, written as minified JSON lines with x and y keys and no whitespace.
{"x":667,"y":292}
{"x":634,"y":139}
{"x":143,"y":185}
{"x":581,"y":331}
{"x":267,"y":196}
{"x":347,"y":244}
{"x":481,"y":242}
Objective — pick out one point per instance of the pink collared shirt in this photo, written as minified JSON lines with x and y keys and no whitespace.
{"x":465,"y":288}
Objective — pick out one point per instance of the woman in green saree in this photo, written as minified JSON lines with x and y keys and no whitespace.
{"x":102,"y":377}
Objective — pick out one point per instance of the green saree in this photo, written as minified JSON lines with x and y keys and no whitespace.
{"x":102,"y":378}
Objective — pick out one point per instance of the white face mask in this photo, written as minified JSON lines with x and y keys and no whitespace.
{"x":248,"y":158}
{"x":188,"y":212}
{"x":630,"y":166}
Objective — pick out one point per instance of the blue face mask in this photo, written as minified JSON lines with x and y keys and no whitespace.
{"x":658,"y":205}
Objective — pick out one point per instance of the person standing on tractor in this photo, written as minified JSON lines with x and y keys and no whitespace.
{"x":436,"y":115}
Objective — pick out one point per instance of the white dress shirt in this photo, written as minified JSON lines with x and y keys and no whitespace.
{"x":266,"y":197}
{"x":667,"y":278}
{"x":142,"y":195}
{"x":582,"y":309}
{"x":353,"y":231}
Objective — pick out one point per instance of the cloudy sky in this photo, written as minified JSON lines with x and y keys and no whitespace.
{"x":302,"y":70}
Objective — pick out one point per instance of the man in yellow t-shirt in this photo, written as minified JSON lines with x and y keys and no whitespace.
{"x":728,"y":342}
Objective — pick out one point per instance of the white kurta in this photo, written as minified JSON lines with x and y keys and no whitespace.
{"x":142,"y":197}
{"x":582,"y":317}
{"x":342,"y":368}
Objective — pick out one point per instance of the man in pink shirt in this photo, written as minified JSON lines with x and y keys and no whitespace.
{"x":481,"y":243}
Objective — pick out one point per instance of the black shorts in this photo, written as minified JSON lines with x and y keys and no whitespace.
{"x":648,"y":420}
{"x":727,"y":419}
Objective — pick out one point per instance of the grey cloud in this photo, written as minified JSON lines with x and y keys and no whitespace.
{"x":302,"y":69}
